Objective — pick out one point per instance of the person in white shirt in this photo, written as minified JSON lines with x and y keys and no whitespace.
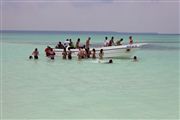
{"x":66,"y":43}
{"x":106,"y":42}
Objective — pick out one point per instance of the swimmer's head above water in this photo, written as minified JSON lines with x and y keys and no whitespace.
{"x":110,"y":61}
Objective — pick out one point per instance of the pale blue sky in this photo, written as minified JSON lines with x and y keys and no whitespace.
{"x":100,"y":15}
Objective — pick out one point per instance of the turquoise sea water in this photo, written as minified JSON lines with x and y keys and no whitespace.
{"x":86,"y":89}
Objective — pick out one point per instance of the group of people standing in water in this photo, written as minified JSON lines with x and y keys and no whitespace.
{"x":84,"y":51}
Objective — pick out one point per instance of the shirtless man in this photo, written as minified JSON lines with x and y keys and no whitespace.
{"x":88,"y":42}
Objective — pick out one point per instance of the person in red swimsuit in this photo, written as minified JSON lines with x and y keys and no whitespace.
{"x":130,"y":40}
{"x":47,"y":51}
{"x":111,"y":42}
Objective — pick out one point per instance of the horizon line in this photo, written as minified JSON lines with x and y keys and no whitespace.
{"x":91,"y":31}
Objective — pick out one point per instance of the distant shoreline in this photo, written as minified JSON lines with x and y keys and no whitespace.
{"x":84,"y":32}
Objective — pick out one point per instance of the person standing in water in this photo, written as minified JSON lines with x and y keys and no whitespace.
{"x":51,"y":54}
{"x":101,"y":54}
{"x":94,"y":54}
{"x":81,"y":54}
{"x":87,"y":53}
{"x":69,"y":54}
{"x":64,"y":54}
{"x":35,"y":53}
{"x":47,"y":51}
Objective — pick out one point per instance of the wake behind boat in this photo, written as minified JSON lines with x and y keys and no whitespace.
{"x":122,"y":51}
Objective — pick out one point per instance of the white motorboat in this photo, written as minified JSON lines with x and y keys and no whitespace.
{"x":121,"y":51}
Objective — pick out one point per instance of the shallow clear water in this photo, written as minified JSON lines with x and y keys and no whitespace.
{"x":46,"y":89}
